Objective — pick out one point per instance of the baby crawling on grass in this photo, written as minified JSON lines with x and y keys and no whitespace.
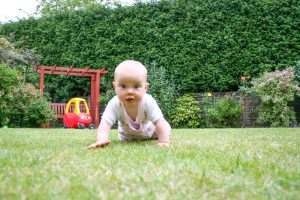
{"x":137,"y":113}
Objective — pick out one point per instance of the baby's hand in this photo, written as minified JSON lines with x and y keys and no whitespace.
{"x":161,"y":144}
{"x":99,"y":143}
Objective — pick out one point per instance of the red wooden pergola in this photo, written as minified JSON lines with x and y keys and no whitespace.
{"x":94,"y":74}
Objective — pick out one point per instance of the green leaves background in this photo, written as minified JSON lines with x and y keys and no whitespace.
{"x":205,"y":45}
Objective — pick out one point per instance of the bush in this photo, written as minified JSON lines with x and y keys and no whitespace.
{"x":162,"y":89}
{"x":206,"y":106}
{"x":23,"y":96}
{"x":37,"y":112}
{"x":9,"y":87}
{"x":297,"y":72}
{"x":297,"y":77}
{"x":17,"y":100}
{"x":186,"y":113}
{"x":107,"y":96}
{"x":275,"y":90}
{"x":226,"y":113}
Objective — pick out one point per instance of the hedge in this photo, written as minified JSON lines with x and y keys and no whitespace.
{"x":205,"y":45}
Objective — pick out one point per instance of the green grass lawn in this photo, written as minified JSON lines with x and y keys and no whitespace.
{"x":200,"y":164}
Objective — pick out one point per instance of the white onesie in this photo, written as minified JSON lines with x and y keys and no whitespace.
{"x":143,"y":128}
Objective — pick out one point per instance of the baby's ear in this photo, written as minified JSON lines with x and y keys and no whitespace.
{"x":147,"y":86}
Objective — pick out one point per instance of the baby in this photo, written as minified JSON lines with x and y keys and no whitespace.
{"x":137,"y":113}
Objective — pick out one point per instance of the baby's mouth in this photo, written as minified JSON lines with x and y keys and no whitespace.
{"x":129,"y":99}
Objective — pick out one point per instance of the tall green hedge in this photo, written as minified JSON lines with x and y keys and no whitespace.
{"x":205,"y":45}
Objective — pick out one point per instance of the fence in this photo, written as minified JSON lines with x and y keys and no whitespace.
{"x":249,"y":105}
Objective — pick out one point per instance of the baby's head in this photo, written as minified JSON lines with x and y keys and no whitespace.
{"x":130,"y":82}
{"x":131,"y":68}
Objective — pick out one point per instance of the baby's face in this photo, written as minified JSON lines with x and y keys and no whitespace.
{"x":130,"y":85}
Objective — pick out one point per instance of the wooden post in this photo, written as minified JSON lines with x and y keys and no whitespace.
{"x":92,"y":99}
{"x":97,"y":92}
{"x":41,"y":82}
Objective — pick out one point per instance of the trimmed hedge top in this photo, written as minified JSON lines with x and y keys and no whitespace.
{"x":205,"y":45}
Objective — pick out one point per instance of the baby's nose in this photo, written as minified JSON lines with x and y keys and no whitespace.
{"x":130,"y":90}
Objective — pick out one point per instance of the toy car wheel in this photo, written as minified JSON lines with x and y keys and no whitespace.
{"x":80,"y":126}
{"x":65,"y":126}
{"x":92,"y":126}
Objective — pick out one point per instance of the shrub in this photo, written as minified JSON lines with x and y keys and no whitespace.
{"x":245,"y":88}
{"x":162,"y":89}
{"x":17,"y":98}
{"x":206,"y":105}
{"x":297,"y":72}
{"x":9,"y":87}
{"x":297,"y":77}
{"x":226,"y":113}
{"x":23,"y":95}
{"x":275,"y":90}
{"x":37,"y":112}
{"x":186,"y":113}
{"x":105,"y":98}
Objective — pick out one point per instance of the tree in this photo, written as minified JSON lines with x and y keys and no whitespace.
{"x":47,"y":7}
{"x":13,"y":56}
{"x":23,"y":59}
{"x":15,"y":94}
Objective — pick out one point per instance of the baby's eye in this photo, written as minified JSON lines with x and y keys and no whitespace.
{"x":137,"y":86}
{"x":123,"y":86}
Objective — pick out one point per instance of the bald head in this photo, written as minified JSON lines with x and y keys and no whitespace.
{"x":135,"y":68}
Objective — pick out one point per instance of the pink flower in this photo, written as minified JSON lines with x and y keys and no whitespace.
{"x":243,"y":78}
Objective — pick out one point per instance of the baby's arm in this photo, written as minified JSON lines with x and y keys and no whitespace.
{"x":162,"y":129}
{"x":103,"y":135}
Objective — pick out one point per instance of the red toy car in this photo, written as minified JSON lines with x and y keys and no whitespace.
{"x":76,"y":118}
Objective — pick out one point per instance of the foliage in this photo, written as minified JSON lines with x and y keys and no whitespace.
{"x":15,"y":92}
{"x":48,"y":7}
{"x":107,"y":96}
{"x":186,"y":113}
{"x":14,"y":56}
{"x":162,"y":89}
{"x":38,"y":111}
{"x":23,"y":96}
{"x":245,"y":88}
{"x":276,"y":90}
{"x":206,"y":107}
{"x":226,"y":113}
{"x":297,"y":77}
{"x":297,"y":72}
{"x":16,"y":98}
{"x":21,"y":59}
{"x":204,"y":45}
{"x":9,"y":84}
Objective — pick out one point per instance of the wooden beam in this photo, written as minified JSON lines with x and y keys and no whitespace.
{"x":41,"y":82}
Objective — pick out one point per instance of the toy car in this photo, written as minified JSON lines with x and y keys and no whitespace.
{"x":75,"y":117}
